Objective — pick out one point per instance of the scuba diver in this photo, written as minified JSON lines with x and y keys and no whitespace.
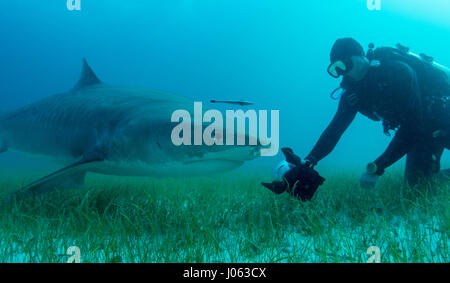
{"x":409,"y":93}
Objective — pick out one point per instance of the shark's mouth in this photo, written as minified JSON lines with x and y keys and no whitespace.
{"x":236,"y":155}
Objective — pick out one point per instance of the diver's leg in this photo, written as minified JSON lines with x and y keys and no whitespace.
{"x":441,"y":116}
{"x":422,"y":162}
{"x":443,"y":139}
{"x":445,"y":174}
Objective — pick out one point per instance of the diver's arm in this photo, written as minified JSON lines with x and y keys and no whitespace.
{"x":398,"y":147}
{"x":409,"y":104}
{"x":330,"y":137}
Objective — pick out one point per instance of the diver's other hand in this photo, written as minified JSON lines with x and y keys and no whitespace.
{"x":368,"y":180}
{"x":370,"y":177}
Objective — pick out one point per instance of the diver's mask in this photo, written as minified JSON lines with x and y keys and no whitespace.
{"x":340,"y":67}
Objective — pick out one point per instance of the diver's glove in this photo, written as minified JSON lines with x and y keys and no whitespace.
{"x":369,"y":178}
{"x":302,"y":181}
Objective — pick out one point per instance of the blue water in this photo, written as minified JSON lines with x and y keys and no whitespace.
{"x":271,"y":52}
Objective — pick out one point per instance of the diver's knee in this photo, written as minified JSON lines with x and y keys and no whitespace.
{"x":411,"y":180}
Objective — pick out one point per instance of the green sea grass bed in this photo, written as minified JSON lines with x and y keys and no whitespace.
{"x":228,"y":218}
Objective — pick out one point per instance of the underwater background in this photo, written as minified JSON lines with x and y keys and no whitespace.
{"x":273,"y":53}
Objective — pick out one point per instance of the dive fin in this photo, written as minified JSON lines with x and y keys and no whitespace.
{"x":69,"y":177}
{"x":87,"y":77}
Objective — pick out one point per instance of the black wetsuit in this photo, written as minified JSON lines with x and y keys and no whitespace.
{"x":391,"y":93}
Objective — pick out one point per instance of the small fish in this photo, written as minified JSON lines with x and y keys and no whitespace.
{"x":242,"y":103}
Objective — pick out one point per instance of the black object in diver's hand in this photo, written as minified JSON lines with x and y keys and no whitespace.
{"x":291,"y":157}
{"x":242,"y":103}
{"x":278,"y":187}
{"x":302,"y":181}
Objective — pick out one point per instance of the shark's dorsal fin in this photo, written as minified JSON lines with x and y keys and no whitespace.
{"x":87,"y":77}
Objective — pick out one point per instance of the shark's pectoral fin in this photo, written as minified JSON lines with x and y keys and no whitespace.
{"x":69,"y":177}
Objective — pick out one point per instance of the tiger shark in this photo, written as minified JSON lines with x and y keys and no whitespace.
{"x":112,"y":130}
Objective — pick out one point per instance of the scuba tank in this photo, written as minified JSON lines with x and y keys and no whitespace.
{"x":433,"y":77}
{"x":442,"y":68}
{"x":426,"y":59}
